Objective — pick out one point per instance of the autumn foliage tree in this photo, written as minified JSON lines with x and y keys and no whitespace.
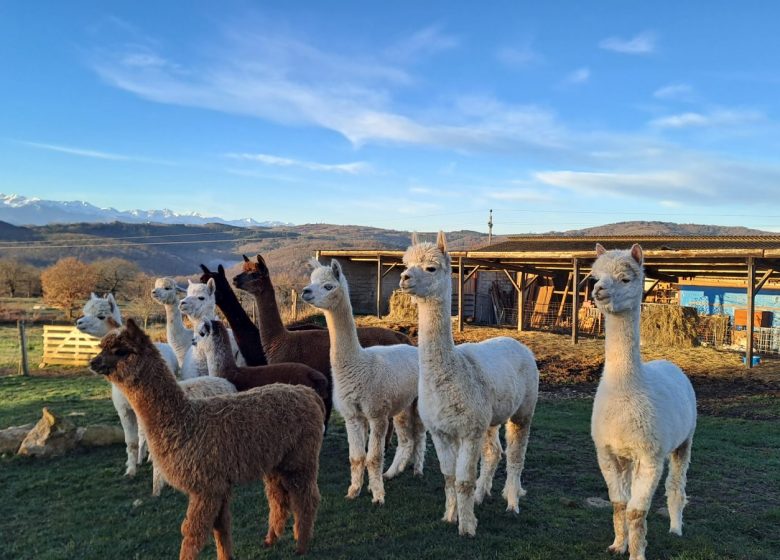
{"x":67,"y":284}
{"x":115,"y":276}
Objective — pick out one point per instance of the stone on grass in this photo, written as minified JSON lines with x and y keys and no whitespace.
{"x":597,"y":503}
{"x":97,"y":435}
{"x":52,"y":436}
{"x":11,"y":438}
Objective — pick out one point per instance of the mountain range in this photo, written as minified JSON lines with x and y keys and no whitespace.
{"x":21,"y":210}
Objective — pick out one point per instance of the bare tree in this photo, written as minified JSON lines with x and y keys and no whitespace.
{"x":114,"y":275}
{"x":17,"y":278}
{"x":67,"y":283}
{"x":140,"y":302}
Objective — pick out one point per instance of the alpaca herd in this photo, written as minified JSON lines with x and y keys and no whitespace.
{"x":220,"y":406}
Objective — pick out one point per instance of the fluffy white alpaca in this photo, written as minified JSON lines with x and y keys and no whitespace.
{"x":179,"y":336}
{"x":370,"y":385}
{"x":467,"y":391}
{"x":101,"y":315}
{"x":642,"y":413}
{"x":199,"y":387}
{"x":200,"y":305}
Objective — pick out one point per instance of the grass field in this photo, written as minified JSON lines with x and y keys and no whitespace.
{"x":79,"y":506}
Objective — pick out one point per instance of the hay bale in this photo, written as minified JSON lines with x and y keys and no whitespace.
{"x":714,"y":329}
{"x":402,"y":308}
{"x":669,"y":326}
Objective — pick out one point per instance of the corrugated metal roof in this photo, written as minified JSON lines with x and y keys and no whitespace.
{"x":554,"y":244}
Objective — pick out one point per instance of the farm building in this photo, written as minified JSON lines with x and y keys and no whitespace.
{"x":732,"y":283}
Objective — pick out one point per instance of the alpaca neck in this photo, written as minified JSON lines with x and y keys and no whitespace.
{"x":156,"y":397}
{"x":344,"y":343}
{"x":179,"y":337}
{"x":271,"y":325}
{"x":220,"y":358}
{"x":622,"y":357}
{"x":435,"y":327}
{"x":244,"y":330}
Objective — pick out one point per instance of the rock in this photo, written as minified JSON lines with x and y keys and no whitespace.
{"x":50,"y":437}
{"x":100,"y":434}
{"x":11,"y":438}
{"x":138,"y":503}
{"x":568,"y":502}
{"x":597,"y":503}
{"x":663,"y":512}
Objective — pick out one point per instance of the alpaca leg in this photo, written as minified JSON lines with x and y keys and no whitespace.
{"x":222,"y":537}
{"x":158,"y":481}
{"x":647,"y":472}
{"x":129,"y":427}
{"x":376,"y":458}
{"x":675,"y":485}
{"x":617,"y":474}
{"x":491,"y":455}
{"x":304,"y":501}
{"x":447,"y":454}
{"x":143,"y":449}
{"x":465,"y":485}
{"x":419,"y":443}
{"x":403,"y":452}
{"x":201,"y":514}
{"x":356,"y":436}
{"x":278,"y":507}
{"x":517,"y":432}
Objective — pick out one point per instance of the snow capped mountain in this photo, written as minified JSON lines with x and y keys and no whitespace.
{"x":20,"y":210}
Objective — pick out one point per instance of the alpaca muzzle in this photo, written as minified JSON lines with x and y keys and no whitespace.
{"x":99,"y":366}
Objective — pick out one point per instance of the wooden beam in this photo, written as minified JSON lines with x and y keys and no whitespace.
{"x":473,"y":271}
{"x":392,"y":266}
{"x":460,"y":294}
{"x":653,"y":273}
{"x":520,"y":300}
{"x":763,"y":280}
{"x":650,"y":289}
{"x":751,"y":297}
{"x":575,"y":301}
{"x":379,"y":286}
{"x":569,"y":280}
{"x":511,"y":280}
{"x":509,"y":266}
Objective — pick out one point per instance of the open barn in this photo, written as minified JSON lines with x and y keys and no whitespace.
{"x":732,"y":283}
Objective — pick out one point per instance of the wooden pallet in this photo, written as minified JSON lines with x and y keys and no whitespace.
{"x":67,"y":346}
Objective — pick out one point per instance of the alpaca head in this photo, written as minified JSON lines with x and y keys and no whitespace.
{"x":428,"y":270}
{"x":99,"y":316}
{"x":165,"y":290}
{"x":328,"y":285}
{"x":199,"y":302}
{"x":254,"y":276}
{"x":211,"y":336}
{"x":121,"y":353}
{"x":219,"y":278}
{"x":619,"y":279}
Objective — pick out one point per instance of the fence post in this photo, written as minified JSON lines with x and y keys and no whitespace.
{"x":294,"y":310}
{"x":24,"y":368}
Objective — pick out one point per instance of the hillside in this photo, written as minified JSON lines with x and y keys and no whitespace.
{"x":662,"y":228}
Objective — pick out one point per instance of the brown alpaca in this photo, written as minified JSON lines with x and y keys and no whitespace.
{"x":204,"y":446}
{"x":307,"y":347}
{"x":213,"y":337}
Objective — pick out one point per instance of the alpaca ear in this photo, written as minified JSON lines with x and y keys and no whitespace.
{"x":212,"y":287}
{"x":133,"y":330}
{"x":637,"y":253}
{"x":92,"y":295}
{"x":415,"y":238}
{"x":205,"y":269}
{"x":246,"y":259}
{"x":335,"y":266}
{"x":313,"y":263}
{"x":189,"y":282}
{"x":261,"y":263}
{"x":441,"y":242}
{"x":179,"y":289}
{"x":220,"y":270}
{"x":111,"y":302}
{"x":600,"y":250}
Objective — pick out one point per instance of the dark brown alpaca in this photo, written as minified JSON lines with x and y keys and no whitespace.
{"x":307,"y":347}
{"x":204,"y":446}
{"x":244,"y":330}
{"x":213,"y":337}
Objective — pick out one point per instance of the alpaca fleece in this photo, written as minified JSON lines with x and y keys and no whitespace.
{"x":213,"y":337}
{"x":179,"y":336}
{"x":204,"y":446}
{"x":370,"y":385}
{"x":642,"y":413}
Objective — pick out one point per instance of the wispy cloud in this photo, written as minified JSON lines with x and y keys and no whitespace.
{"x":520,"y":195}
{"x":424,"y":42}
{"x":716,"y":118}
{"x":519,"y":56}
{"x":89,"y":153}
{"x":675,"y":92}
{"x":578,"y":76}
{"x":644,"y":43}
{"x":353,"y":168}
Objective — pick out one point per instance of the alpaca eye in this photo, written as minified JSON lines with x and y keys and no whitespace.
{"x":430,"y":269}
{"x":625,"y":280}
{"x":121,"y":352}
{"x":201,"y":298}
{"x":328,"y":287}
{"x":101,"y":317}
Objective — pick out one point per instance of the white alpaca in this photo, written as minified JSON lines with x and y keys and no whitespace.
{"x":642,"y":413}
{"x":101,"y":315}
{"x":199,"y":387}
{"x":200,"y":305}
{"x":179,"y":336}
{"x":370,"y":385}
{"x":467,"y":391}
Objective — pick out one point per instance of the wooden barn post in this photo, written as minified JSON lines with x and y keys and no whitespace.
{"x":520,"y":301}
{"x":751,"y":301}
{"x":379,"y":286}
{"x":460,"y":294}
{"x":575,"y":301}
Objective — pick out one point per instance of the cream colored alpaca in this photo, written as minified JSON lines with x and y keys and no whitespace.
{"x":642,"y":413}
{"x":370,"y":385}
{"x":467,"y":391}
{"x":197,"y":388}
{"x":179,"y":336}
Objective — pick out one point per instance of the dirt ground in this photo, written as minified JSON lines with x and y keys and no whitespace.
{"x":723,"y":386}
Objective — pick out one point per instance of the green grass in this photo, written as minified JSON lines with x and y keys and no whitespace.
{"x":79,"y":506}
{"x":10,"y":353}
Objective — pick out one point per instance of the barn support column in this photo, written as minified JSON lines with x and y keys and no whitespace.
{"x":379,"y":286}
{"x":460,"y":294}
{"x":575,"y":301}
{"x":520,"y":301}
{"x":751,"y":301}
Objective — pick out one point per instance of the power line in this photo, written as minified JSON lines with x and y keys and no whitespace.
{"x":138,"y":244}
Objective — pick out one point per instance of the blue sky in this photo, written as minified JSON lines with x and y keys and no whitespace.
{"x":410,"y":115}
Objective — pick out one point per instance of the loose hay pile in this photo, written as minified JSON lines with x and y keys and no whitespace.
{"x":402,"y":308}
{"x":669,"y":326}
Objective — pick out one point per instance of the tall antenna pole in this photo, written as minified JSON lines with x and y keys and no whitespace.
{"x":490,"y":227}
